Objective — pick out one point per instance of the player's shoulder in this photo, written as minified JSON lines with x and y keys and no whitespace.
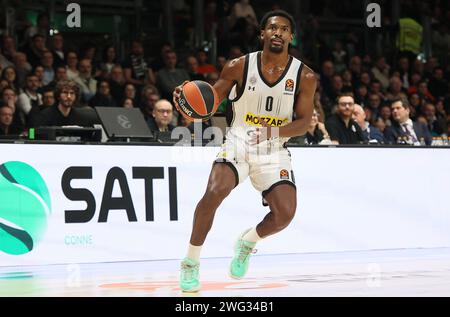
{"x":238,"y":62}
{"x":308,"y":75}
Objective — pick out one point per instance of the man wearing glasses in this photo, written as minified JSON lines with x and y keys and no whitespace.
{"x":341,"y":127}
{"x":162,"y":116}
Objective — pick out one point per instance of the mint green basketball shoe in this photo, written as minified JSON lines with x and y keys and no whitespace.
{"x":189,"y":274}
{"x":242,"y":251}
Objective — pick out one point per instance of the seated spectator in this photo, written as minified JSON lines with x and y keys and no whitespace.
{"x":385,"y":115}
{"x":103,"y":96}
{"x":162,"y":116}
{"x":381,"y":72}
{"x":35,"y":49}
{"x":403,"y":128}
{"x":341,"y":127}
{"x":203,"y":66}
{"x":370,"y":133}
{"x":136,"y":68}
{"x":117,"y":83}
{"x":192,"y":68}
{"x":48,"y":100}
{"x":88,"y":85}
{"x":58,"y":51}
{"x":9,"y":74}
{"x":72,"y":65}
{"x":64,"y":111}
{"x":436,"y":126}
{"x":47,"y":63}
{"x":23,"y":68}
{"x":9,"y":98}
{"x":395,"y":89}
{"x":60,"y":74}
{"x":170,"y":76}
{"x":30,"y":98}
{"x":128,"y":103}
{"x":148,"y":102}
{"x":317,"y":132}
{"x":6,"y":119}
{"x":109,"y":60}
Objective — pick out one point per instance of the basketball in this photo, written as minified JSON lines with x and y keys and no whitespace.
{"x":198,"y":101}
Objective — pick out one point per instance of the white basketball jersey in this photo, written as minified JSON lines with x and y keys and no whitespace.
{"x":274,"y":103}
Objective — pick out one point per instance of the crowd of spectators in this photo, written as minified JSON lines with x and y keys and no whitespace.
{"x":361,"y":98}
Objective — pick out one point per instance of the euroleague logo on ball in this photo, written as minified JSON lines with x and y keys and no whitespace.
{"x":198,"y":101}
{"x":24,"y":207}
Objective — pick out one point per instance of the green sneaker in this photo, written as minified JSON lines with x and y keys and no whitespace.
{"x":242,"y":251}
{"x":189,"y":276}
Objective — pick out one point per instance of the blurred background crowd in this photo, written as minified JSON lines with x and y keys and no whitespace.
{"x":388,"y":84}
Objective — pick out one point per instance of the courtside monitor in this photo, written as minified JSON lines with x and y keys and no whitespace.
{"x":124,"y":124}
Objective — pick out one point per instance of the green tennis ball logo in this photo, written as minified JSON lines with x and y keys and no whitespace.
{"x":24,"y":207}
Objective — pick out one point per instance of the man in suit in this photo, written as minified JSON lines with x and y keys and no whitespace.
{"x":403,"y":128}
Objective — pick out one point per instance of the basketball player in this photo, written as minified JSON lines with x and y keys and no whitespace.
{"x":267,"y":88}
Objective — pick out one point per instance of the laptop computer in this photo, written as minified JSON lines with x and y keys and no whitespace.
{"x":124,"y":124}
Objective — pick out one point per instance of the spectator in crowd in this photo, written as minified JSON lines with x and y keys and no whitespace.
{"x":9,"y":74}
{"x":57,"y":49}
{"x":203,"y":66}
{"x":355,"y":66}
{"x":130,"y":92}
{"x":162,"y":116}
{"x":404,"y":72}
{"x":23,"y":68}
{"x":158,"y":63}
{"x":395,"y":89}
{"x":148,"y":104}
{"x":72,"y":65}
{"x":374,"y":105}
{"x":380,"y":125}
{"x":9,"y":98}
{"x":436,"y":125}
{"x":88,"y":85}
{"x":8,"y":49}
{"x":339,"y":57}
{"x":317,"y":132}
{"x":60,"y":74}
{"x":403,"y":128}
{"x":6,"y":119}
{"x":424,"y":93}
{"x":117,"y":83}
{"x":64,"y":111}
{"x":39,"y":72}
{"x":192,"y":68}
{"x":438,"y":85}
{"x":29,"y":98}
{"x":128,"y":103}
{"x":170,"y":76}
{"x":35,"y":49}
{"x":48,"y":100}
{"x":221,"y":61}
{"x":385,"y":114}
{"x":103,"y":96}
{"x":109,"y":60}
{"x":49,"y":71}
{"x":341,"y":127}
{"x":370,"y":133}
{"x":136,"y":69}
{"x":381,"y":71}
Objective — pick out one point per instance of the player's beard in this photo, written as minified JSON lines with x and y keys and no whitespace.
{"x":276,"y":49}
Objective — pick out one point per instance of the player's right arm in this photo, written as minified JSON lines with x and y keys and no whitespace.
{"x":232,"y":74}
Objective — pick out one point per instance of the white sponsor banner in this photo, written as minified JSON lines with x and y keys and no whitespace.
{"x":348,"y":199}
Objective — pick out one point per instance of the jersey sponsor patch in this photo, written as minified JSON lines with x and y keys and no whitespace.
{"x":252,"y":119}
{"x":284,"y":174}
{"x":289,"y":85}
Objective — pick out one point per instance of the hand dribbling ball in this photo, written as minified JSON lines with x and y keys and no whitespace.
{"x":198,"y":101}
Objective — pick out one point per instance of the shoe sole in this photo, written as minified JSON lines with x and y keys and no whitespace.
{"x":193,"y":290}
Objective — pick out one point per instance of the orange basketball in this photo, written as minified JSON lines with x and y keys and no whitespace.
{"x":198,"y":101}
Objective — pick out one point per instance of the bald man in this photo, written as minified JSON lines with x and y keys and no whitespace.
{"x":162,"y":116}
{"x":371,"y":134}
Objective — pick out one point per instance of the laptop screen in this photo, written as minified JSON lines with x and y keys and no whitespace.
{"x":123,"y":123}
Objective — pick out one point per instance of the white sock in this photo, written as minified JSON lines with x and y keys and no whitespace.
{"x":194,"y":252}
{"x":252,"y":236}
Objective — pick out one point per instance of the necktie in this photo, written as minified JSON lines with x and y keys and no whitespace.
{"x":408,"y":132}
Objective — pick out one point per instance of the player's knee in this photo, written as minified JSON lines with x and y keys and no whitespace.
{"x":218,"y":191}
{"x":284,"y":216}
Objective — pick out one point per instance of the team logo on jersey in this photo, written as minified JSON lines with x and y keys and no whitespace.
{"x":253,"y":80}
{"x":252,"y":119}
{"x":289,"y":85}
{"x":284,"y":174}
